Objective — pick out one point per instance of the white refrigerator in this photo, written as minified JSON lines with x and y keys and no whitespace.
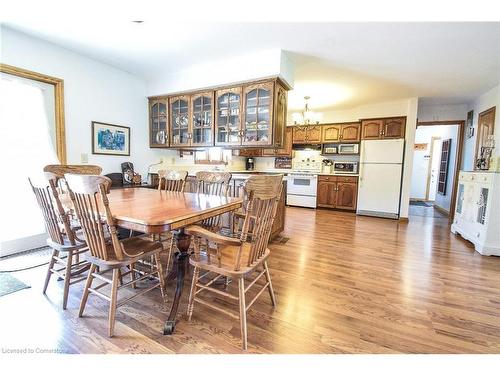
{"x":380,"y":171}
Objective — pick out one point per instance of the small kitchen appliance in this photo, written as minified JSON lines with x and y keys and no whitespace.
{"x":345,"y":167}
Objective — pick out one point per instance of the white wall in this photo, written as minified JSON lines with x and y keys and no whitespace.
{"x":93,"y":91}
{"x":251,"y":66}
{"x":442,"y":112}
{"x":424,"y":134}
{"x":489,"y":99}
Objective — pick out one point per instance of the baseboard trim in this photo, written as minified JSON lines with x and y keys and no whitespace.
{"x":441,"y":210}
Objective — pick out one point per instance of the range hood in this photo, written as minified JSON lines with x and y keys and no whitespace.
{"x":308,"y":147}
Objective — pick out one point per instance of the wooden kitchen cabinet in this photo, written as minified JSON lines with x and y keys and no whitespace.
{"x":249,"y":115}
{"x":386,"y":128}
{"x":180,"y":121}
{"x":346,"y":195}
{"x":394,"y":127}
{"x":372,"y":129}
{"x":330,"y":133}
{"x":158,"y":122}
{"x":306,"y":134}
{"x":228,"y":116}
{"x":348,"y":132}
{"x":337,"y":192}
{"x":285,"y":149}
{"x":202,"y":124}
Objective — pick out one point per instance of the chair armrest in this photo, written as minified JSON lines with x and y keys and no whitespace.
{"x":196,"y":230}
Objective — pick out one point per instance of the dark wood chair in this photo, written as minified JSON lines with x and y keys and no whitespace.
{"x":116,"y":179}
{"x":243,"y":258}
{"x":89,"y":196}
{"x":63,"y":239}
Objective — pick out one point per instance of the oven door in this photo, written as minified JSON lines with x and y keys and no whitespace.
{"x":302,"y":185}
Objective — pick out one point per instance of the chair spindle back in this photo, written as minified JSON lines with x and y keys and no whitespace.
{"x":263,"y":194}
{"x":213,"y":183}
{"x":56,"y":219}
{"x":172,"y":180}
{"x":89,"y":196}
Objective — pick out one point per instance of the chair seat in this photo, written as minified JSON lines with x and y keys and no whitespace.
{"x":137,"y":247}
{"x":66,"y":245}
{"x":228,"y":257}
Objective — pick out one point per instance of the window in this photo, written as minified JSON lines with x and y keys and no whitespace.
{"x":213,"y":155}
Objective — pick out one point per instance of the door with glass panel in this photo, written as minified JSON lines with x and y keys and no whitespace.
{"x":158,"y":120}
{"x":228,"y":117}
{"x":180,"y":134}
{"x":257,"y":127}
{"x":202,"y":119}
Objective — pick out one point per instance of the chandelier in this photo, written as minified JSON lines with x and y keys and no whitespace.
{"x":306,"y":117}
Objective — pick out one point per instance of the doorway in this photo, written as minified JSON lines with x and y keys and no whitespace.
{"x":31,"y":137}
{"x":436,"y":163}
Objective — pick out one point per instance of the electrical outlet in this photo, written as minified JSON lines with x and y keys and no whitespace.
{"x":172,"y":160}
{"x":84,"y":158}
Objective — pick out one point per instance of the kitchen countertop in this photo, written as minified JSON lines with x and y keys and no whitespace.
{"x":336,"y":174}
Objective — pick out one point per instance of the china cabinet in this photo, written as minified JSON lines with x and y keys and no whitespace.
{"x":158,"y":120}
{"x":286,"y":147}
{"x":258,"y":111}
{"x":228,"y":117}
{"x":251,"y":115}
{"x":202,"y":124}
{"x":477,"y":210}
{"x":180,"y":122}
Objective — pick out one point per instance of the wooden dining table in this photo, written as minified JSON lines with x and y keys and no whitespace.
{"x":153,"y":211}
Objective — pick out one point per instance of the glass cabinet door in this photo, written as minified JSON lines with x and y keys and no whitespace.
{"x":202,"y":120}
{"x":257,"y":128}
{"x":228,"y":117}
{"x":482,"y":205}
{"x":179,"y":121}
{"x":158,"y":136}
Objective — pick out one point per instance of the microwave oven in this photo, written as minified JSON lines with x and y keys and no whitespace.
{"x":348,"y":148}
{"x":330,"y":150}
{"x":345,"y":167}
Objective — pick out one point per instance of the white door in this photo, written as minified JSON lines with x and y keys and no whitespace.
{"x":379,"y":189}
{"x":434,"y":169}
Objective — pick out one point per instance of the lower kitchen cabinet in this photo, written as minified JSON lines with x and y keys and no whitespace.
{"x":337,"y":192}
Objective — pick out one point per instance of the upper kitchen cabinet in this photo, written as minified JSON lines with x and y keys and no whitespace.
{"x":306,"y":134}
{"x":394,"y":127}
{"x":247,"y":115}
{"x":386,"y":128}
{"x":257,"y":126}
{"x":202,"y":125}
{"x":228,"y":130}
{"x":348,"y":132}
{"x":158,"y":120}
{"x":180,"y":121}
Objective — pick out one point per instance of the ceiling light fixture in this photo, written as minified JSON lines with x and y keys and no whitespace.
{"x":137,"y":21}
{"x":306,"y":117}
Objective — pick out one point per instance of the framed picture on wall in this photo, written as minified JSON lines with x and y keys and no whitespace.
{"x":109,"y":139}
{"x":470,"y":127}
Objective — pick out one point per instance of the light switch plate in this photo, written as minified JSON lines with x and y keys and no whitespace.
{"x":84,"y":158}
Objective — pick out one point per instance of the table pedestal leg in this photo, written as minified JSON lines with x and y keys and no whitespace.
{"x":179,"y":271}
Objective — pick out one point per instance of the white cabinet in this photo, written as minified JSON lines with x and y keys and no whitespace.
{"x":477,"y":211}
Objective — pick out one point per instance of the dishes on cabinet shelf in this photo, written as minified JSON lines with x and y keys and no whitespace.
{"x":160,"y":137}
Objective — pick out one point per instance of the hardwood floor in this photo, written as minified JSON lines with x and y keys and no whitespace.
{"x":343,"y":283}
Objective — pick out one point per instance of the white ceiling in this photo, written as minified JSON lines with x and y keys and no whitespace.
{"x":340,"y":65}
